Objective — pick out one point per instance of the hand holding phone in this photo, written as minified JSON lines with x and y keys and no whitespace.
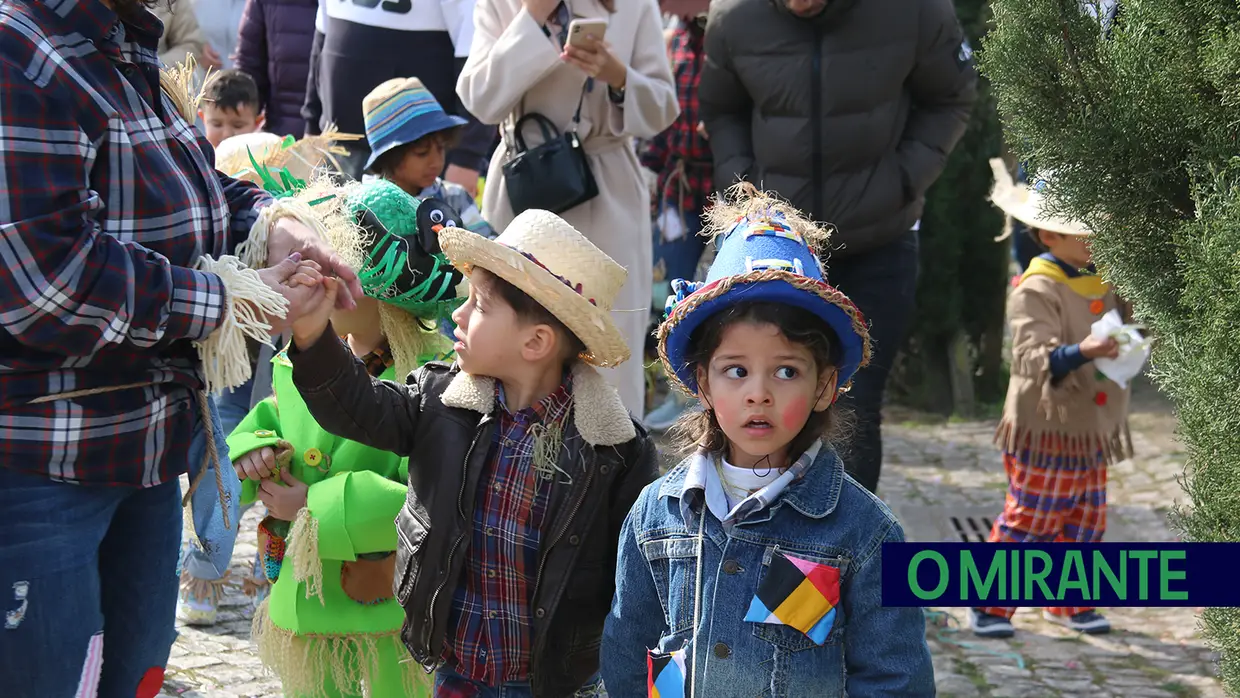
{"x":580,"y":31}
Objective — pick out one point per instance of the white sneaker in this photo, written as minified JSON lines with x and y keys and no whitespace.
{"x":200,"y":599}
{"x":662,"y":418}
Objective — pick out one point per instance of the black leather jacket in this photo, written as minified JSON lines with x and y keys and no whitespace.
{"x":444,"y":421}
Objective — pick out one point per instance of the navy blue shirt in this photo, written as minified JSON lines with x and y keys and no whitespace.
{"x":1066,"y":358}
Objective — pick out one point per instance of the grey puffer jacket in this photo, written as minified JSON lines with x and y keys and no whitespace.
{"x":850,"y":114}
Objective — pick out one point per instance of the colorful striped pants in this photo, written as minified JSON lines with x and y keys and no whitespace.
{"x":1061,"y":497}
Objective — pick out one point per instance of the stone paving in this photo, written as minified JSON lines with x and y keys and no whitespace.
{"x":932,"y":470}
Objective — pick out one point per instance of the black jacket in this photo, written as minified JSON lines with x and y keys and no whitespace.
{"x":850,"y":114}
{"x":444,"y":420}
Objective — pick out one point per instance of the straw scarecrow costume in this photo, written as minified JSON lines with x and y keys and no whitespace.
{"x":1058,"y":432}
{"x":330,"y":624}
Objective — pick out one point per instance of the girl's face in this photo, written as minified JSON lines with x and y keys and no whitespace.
{"x":420,"y":164}
{"x":763,"y":388}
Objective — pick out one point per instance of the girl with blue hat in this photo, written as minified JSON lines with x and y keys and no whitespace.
{"x":409,"y":135}
{"x":753,"y":567}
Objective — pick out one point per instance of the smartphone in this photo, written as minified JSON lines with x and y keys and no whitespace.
{"x":579,"y":29}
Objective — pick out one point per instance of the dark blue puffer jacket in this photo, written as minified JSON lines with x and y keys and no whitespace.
{"x":274,"y":48}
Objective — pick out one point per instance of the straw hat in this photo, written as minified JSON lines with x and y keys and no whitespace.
{"x":300,"y":157}
{"x":544,"y":256}
{"x":1025,"y":202}
{"x":401,"y":111}
{"x":767,"y":254}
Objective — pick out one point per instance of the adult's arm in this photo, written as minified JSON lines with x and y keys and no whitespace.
{"x":650,"y":104}
{"x":943,"y":86}
{"x":505,"y":61}
{"x":250,"y":56}
{"x":725,"y":103}
{"x":66,"y":286}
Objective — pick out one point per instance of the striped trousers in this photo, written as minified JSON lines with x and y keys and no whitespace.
{"x":1057,"y":497}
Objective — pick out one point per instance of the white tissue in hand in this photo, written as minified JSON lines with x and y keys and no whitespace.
{"x":1133,"y":349}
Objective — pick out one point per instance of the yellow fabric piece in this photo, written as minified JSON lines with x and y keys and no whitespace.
{"x":1087,"y":286}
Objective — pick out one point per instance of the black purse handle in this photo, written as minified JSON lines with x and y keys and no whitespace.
{"x":548,"y":129}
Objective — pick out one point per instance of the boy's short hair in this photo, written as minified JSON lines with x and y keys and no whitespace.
{"x":530,"y":311}
{"x":232,"y":89}
{"x":385,"y":165}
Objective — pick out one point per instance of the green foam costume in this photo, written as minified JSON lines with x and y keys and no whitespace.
{"x":316,"y":631}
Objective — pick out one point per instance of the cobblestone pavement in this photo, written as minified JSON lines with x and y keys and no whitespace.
{"x":932,"y":471}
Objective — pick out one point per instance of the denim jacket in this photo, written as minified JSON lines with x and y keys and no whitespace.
{"x":823,"y":517}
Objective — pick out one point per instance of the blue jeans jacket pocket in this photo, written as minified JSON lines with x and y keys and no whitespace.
{"x":673,"y":564}
{"x":787,"y":637}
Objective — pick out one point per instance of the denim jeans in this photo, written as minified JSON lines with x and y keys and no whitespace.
{"x":210,"y":559}
{"x":679,"y":257}
{"x":449,"y":684}
{"x":78,"y":565}
{"x":883,"y":284}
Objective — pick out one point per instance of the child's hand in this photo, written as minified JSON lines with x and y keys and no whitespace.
{"x":1094,"y":348}
{"x":313,"y":317}
{"x":257,"y":464}
{"x":284,"y":495}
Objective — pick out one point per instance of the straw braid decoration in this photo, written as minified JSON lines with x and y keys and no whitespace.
{"x":707,"y":293}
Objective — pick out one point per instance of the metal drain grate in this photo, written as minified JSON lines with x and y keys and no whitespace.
{"x":972,"y":529}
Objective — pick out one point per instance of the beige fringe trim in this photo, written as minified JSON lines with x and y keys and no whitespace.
{"x":1045,"y":444}
{"x":206,"y":588}
{"x":225,"y":360}
{"x":306,"y":663}
{"x":303,"y":547}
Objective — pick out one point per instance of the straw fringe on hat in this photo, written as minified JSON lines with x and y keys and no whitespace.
{"x":1026,"y":202}
{"x":548,"y":259}
{"x":300,"y":157}
{"x":769,"y":253}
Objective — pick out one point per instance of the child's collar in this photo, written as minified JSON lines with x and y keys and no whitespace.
{"x":597,"y":411}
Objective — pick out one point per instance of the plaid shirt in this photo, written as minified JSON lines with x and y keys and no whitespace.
{"x":490,"y":638}
{"x":108,"y":199}
{"x":679,"y":155}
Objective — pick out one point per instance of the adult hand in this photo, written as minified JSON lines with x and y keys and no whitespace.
{"x":300,"y":281}
{"x":256,"y":465}
{"x":312,"y":321}
{"x":289,"y":235}
{"x":284,"y":495}
{"x":1094,"y":348}
{"x":211,"y":59}
{"x":597,"y":61}
{"x":540,"y":10}
{"x":458,"y":174}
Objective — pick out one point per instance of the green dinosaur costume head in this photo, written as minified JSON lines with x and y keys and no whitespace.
{"x":402,"y":264}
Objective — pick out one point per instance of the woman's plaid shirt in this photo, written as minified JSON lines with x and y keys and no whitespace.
{"x":107,"y":200}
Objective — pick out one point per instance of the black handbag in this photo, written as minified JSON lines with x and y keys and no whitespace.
{"x":554,"y":176}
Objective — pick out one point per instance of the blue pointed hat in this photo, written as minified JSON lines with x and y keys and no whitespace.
{"x":764,"y":256}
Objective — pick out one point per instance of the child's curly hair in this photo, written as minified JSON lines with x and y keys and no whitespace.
{"x":700,"y":430}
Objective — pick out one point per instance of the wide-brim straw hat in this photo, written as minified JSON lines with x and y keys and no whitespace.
{"x":301,"y":157}
{"x":553,"y":263}
{"x":1026,"y":202}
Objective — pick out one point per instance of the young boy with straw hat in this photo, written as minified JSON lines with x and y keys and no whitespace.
{"x":1064,"y":422}
{"x":523,"y":462}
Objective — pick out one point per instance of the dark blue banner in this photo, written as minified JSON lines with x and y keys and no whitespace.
{"x":1061,"y":574}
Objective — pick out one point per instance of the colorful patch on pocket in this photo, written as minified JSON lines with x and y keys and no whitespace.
{"x":666,"y":675}
{"x":798,"y":593}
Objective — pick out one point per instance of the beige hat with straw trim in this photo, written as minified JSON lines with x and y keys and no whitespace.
{"x":1025,"y":202}
{"x":300,"y":157}
{"x":548,"y":259}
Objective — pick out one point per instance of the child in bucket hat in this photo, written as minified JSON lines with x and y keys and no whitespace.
{"x":520,"y":453}
{"x":767,"y":346}
{"x":409,"y":135}
{"x":330,"y":624}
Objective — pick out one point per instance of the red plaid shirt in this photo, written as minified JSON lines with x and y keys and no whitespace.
{"x":107,"y":200}
{"x":679,"y":155}
{"x":490,"y":640}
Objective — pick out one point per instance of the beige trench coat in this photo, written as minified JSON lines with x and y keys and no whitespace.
{"x":514,"y":68}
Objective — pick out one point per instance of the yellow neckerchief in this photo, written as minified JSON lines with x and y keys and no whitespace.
{"x":1087,"y":285}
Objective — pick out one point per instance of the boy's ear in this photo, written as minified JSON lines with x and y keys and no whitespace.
{"x":540,"y":342}
{"x":260,"y":120}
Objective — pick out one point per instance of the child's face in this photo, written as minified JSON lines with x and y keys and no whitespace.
{"x":225,"y":123}
{"x":489,"y":335}
{"x":420,"y":164}
{"x":763,"y":389}
{"x":1073,"y":249}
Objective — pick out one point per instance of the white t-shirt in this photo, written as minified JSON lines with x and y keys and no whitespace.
{"x":739,"y":483}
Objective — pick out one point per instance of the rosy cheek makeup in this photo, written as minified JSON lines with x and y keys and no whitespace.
{"x":795,"y":414}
